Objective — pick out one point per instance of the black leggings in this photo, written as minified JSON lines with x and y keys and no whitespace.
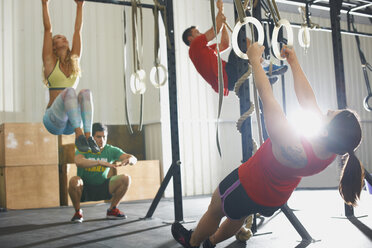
{"x":236,"y":204}
{"x":233,"y":71}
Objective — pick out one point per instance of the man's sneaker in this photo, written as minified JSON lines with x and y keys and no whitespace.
{"x":93,"y":145}
{"x":208,"y":244}
{"x":78,"y":216}
{"x":273,"y":79}
{"x":275,"y":69}
{"x":182,"y":235}
{"x":81,"y":144}
{"x":115,"y":213}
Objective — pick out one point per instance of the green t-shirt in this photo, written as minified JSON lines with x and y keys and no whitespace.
{"x":98,"y":174}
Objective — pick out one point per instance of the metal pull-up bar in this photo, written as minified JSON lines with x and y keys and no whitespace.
{"x":117,"y":2}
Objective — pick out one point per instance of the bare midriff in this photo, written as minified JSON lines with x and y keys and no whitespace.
{"x":52,"y":96}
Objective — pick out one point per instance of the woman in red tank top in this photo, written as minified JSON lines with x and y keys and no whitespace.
{"x":266,"y":181}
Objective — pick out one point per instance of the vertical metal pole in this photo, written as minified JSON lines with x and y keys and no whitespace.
{"x":337,"y":52}
{"x":174,"y":171}
{"x":244,"y":99}
{"x":172,"y":84}
{"x":339,"y":65}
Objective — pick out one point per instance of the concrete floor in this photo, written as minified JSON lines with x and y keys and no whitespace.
{"x":320,"y":211}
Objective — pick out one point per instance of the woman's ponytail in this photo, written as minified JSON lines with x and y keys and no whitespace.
{"x":351,"y":181}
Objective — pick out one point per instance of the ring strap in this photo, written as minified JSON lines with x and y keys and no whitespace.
{"x":220,"y":76}
{"x":129,"y":126}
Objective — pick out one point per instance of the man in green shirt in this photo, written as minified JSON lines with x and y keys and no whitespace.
{"x":91,"y":182}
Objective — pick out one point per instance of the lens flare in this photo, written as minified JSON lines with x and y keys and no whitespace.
{"x":305,"y":123}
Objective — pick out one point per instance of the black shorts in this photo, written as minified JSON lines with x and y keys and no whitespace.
{"x":236,"y":204}
{"x":234,"y":73}
{"x":98,"y":192}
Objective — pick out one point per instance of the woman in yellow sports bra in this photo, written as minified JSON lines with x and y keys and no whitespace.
{"x":66,"y":110}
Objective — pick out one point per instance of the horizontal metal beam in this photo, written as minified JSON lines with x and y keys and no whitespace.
{"x":326,"y":29}
{"x":360,"y":7}
{"x":324,"y":6}
{"x":125,"y":3}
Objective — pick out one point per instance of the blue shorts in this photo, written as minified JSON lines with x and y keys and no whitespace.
{"x":236,"y":204}
{"x":53,"y":123}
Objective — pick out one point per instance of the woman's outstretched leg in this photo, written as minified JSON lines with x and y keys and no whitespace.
{"x":86,"y":105}
{"x":207,"y":225}
{"x":72,"y":110}
{"x":210,"y":221}
{"x":227,"y":229}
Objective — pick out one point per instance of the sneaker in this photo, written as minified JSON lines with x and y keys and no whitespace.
{"x":207,"y":244}
{"x":93,"y":145}
{"x":78,"y":216}
{"x":81,"y":144}
{"x":182,"y":235}
{"x":273,"y":79}
{"x":115,"y":213}
{"x":275,"y":69}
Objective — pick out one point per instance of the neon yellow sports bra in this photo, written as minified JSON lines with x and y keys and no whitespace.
{"x":57,"y":80}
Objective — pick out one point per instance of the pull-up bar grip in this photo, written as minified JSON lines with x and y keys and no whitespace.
{"x":274,"y":41}
{"x":235,"y":33}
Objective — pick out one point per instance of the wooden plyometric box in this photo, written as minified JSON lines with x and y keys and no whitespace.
{"x":119,"y":136}
{"x":145,"y":179}
{"x":25,"y":187}
{"x":66,"y":154}
{"x":66,"y":139}
{"x":68,"y":171}
{"x":24,"y":144}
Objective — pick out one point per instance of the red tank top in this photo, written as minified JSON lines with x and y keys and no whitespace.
{"x":204,"y":58}
{"x":268,"y":182}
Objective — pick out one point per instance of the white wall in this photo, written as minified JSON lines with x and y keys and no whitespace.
{"x":23,"y":96}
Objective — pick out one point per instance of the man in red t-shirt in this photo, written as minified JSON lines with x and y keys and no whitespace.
{"x":204,"y":57}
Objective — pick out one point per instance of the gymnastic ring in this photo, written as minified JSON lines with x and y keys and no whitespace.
{"x":157,"y":82}
{"x":137,"y":82}
{"x":235,"y":33}
{"x":304,"y":37}
{"x":274,"y":40}
{"x":366,"y":105}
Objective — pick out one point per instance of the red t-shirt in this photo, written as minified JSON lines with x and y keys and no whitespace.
{"x":270,"y":183}
{"x":205,"y":60}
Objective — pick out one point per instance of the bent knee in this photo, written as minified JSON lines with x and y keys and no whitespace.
{"x":70,"y":92}
{"x":125,"y":180}
{"x":86,"y":93}
{"x":76,"y":182}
